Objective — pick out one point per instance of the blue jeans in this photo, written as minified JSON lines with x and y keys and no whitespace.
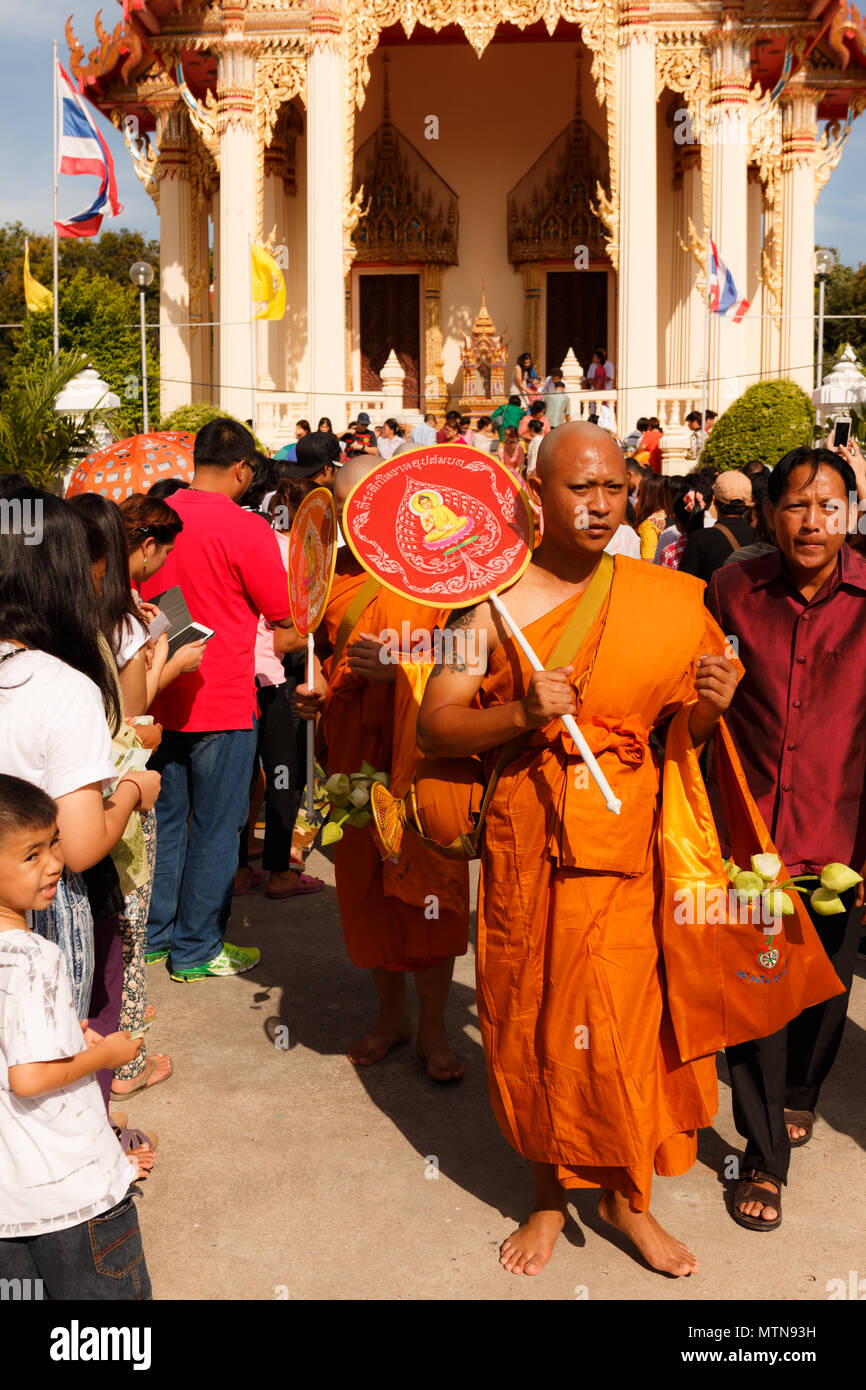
{"x":203,"y":805}
{"x":102,"y":1259}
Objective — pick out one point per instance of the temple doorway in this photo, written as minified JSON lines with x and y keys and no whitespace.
{"x":390,"y":319}
{"x":576,"y":315}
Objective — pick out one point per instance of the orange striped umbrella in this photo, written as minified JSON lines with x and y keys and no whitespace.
{"x":134,"y":465}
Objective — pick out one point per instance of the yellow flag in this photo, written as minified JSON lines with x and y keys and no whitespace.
{"x":269,"y":287}
{"x":36,"y":296}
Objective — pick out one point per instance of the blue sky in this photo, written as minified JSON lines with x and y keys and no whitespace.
{"x":27,"y":28}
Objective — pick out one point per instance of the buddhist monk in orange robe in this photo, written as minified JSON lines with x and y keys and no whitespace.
{"x":585,"y":1077}
{"x":396,"y":918}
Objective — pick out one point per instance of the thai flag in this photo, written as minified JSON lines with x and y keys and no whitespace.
{"x":723,"y":291}
{"x":82,"y":150}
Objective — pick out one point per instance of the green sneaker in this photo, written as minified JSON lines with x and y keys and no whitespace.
{"x":152,"y":956}
{"x":232,"y":960}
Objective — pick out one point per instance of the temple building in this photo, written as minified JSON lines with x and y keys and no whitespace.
{"x":558,"y":162}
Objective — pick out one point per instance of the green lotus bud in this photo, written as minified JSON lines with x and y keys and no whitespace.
{"x":779,"y":904}
{"x":838,"y":877}
{"x":383,"y":778}
{"x":359,"y":796}
{"x":339,"y":814}
{"x":357,"y":779}
{"x":331,"y":833}
{"x":359,"y":819}
{"x":367,"y":770}
{"x":827,"y":903}
{"x":748,"y":885}
{"x":338,"y":786}
{"x":767,"y":865}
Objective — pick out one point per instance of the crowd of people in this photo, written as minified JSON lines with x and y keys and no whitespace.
{"x":132,"y":773}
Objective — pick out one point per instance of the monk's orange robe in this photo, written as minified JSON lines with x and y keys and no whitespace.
{"x":582,"y":1061}
{"x":414,"y":913}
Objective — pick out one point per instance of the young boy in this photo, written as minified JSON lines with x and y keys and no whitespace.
{"x":66,"y":1214}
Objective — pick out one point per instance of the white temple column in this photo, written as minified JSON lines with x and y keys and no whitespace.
{"x":199,"y":292}
{"x":174,"y":239}
{"x":754,"y":289}
{"x":728,"y":136}
{"x":215,"y":307}
{"x":326,"y":135}
{"x":637,"y":371}
{"x":236,"y":75}
{"x":797,"y":192}
{"x":685,"y":333}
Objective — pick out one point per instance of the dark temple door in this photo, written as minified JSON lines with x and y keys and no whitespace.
{"x":390,"y":320}
{"x":576,"y":316}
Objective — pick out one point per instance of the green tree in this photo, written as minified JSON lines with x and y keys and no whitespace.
{"x":99,"y":318}
{"x":844,"y":293}
{"x":193,"y":417}
{"x":110,"y":254}
{"x":34,"y":439}
{"x":769,"y":418}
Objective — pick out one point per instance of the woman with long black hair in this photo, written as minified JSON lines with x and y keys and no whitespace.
{"x":135,"y":855}
{"x":59,"y":707}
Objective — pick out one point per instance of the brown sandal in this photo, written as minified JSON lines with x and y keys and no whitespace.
{"x":747,"y":1190}
{"x":803,"y":1119}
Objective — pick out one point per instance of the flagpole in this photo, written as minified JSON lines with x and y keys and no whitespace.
{"x":704,"y":383}
{"x":56,"y":257}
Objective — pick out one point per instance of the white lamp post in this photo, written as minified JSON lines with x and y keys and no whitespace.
{"x":141,"y":274}
{"x":823,"y":263}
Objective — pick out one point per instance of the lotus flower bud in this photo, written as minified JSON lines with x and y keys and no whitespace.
{"x":331,"y":833}
{"x":383,"y":778}
{"x":367,"y":770}
{"x":359,"y":819}
{"x":826,"y":903}
{"x":359,"y":779}
{"x":838,"y":878}
{"x":767,"y":865}
{"x":748,"y":885}
{"x":779,"y":904}
{"x":338,"y":786}
{"x":360,"y":796}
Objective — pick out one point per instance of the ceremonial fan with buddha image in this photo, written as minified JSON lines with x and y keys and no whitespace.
{"x":449,"y":527}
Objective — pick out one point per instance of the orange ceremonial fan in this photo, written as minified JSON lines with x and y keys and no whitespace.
{"x":312,"y":557}
{"x":449,"y":526}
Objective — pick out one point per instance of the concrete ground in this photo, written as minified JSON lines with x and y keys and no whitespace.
{"x":284,"y":1172}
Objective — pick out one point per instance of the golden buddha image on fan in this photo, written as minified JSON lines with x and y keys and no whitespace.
{"x":441,"y":526}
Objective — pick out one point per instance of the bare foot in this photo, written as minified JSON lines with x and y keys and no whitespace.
{"x":434,"y":1049}
{"x":378,"y":1043}
{"x":796,"y":1132}
{"x":766,"y":1212}
{"x":531,"y":1246}
{"x":282,"y":881}
{"x":659,"y":1249}
{"x":157,"y":1068}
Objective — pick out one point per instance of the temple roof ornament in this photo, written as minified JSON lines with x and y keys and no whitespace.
{"x":550,"y":211}
{"x":411,"y":213}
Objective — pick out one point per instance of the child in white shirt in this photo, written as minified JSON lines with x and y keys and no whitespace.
{"x":66,"y":1215}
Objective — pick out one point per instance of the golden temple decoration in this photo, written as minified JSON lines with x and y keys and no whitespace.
{"x":484,"y":358}
{"x":279,"y":78}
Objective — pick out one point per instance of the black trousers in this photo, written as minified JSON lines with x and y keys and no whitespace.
{"x":787,"y":1070}
{"x":282,"y":750}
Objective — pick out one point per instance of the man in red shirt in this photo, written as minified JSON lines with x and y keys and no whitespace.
{"x":798,"y":720}
{"x":227,"y":563}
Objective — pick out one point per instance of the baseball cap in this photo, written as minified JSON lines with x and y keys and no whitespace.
{"x":363,"y":418}
{"x":733,"y":486}
{"x":311,"y":456}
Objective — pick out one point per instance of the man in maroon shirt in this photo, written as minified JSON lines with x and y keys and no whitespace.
{"x":798,"y":720}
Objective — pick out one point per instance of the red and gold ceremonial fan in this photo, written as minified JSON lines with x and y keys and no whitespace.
{"x":312,"y":557}
{"x":449,"y":526}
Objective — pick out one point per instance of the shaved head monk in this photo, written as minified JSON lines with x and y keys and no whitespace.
{"x":585,"y":1076}
{"x":412,"y":918}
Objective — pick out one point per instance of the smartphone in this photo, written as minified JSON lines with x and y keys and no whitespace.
{"x":842,"y":432}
